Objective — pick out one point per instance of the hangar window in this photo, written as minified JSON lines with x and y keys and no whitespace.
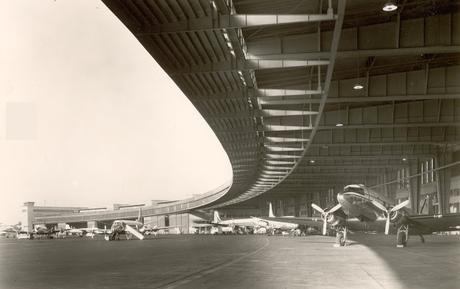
{"x":454,"y":192}
{"x":403,"y":178}
{"x":427,"y":170}
{"x":454,"y":208}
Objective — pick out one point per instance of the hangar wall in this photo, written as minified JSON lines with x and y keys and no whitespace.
{"x":433,"y":193}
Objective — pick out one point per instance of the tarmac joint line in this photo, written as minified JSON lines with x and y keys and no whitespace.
{"x":202,"y":273}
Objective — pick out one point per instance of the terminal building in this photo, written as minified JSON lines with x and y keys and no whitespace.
{"x":175,"y":214}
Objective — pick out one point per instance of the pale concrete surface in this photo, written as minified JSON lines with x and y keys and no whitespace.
{"x":371,"y":261}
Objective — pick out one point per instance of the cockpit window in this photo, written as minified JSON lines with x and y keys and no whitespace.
{"x":354,"y":190}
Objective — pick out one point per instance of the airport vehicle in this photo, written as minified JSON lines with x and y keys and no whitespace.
{"x":360,"y":208}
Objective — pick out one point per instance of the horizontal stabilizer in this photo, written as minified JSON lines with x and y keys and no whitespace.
{"x":134,"y":232}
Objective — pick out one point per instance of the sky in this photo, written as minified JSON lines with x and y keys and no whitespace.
{"x":88,"y":118}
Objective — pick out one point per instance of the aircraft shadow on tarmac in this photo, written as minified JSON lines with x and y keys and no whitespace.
{"x":433,"y":264}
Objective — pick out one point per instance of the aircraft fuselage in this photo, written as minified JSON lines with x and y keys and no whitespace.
{"x":358,"y":202}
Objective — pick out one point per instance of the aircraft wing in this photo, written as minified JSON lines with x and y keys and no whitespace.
{"x":420,"y":224}
{"x":161,"y":228}
{"x":202,"y":225}
{"x":434,"y":223}
{"x":221,"y":225}
{"x":308,"y":221}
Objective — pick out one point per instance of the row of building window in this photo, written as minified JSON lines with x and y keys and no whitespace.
{"x":427,"y":170}
{"x":454,"y":208}
{"x":454,"y":192}
{"x":403,"y":178}
{"x":427,"y":174}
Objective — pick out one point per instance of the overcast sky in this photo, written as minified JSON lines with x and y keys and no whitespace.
{"x":88,"y":118}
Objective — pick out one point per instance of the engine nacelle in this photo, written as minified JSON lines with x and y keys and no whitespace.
{"x":396,"y":216}
{"x":334,"y":220}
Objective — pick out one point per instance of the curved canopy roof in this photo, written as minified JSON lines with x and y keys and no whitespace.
{"x":277,"y":81}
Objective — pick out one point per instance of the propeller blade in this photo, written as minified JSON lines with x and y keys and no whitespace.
{"x":324,"y":226}
{"x":335,"y":208}
{"x":380,"y":206}
{"x":387,"y":225}
{"x":318,"y":208}
{"x":400,"y":206}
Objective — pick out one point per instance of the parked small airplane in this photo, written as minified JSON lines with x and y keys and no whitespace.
{"x":361,"y":208}
{"x":237,"y":223}
{"x":130,"y":228}
{"x":273,"y":225}
{"x":43,"y":230}
{"x":89,"y":232}
{"x":7,"y":231}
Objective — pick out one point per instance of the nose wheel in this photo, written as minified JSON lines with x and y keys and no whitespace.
{"x":341,"y":237}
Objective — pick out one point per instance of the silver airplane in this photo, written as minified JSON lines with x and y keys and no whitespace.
{"x":131,"y":228}
{"x":360,"y":208}
{"x":272,"y":224}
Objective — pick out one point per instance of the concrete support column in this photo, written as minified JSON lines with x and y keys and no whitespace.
{"x":28,"y":217}
{"x":92,"y":224}
{"x":280,"y":207}
{"x":385,"y":187}
{"x":308,"y":204}
{"x":297,"y":204}
{"x":443,"y":180}
{"x":414,"y":186}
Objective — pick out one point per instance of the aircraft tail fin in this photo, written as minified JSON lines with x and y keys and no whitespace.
{"x":270,"y":211}
{"x":216,"y":217}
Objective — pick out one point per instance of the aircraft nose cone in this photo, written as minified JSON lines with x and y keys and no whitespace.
{"x":340,"y":197}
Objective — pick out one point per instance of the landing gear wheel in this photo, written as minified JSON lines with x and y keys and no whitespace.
{"x":113,"y":236}
{"x":341,"y":237}
{"x":402,"y":239}
{"x":402,"y":236}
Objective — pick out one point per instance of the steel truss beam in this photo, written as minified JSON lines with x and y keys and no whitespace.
{"x":282,"y":100}
{"x":392,"y":125}
{"x":266,"y":113}
{"x":299,"y":128}
{"x":233,"y":21}
{"x":246,"y":93}
{"x":237,"y":65}
{"x":360,"y":53}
